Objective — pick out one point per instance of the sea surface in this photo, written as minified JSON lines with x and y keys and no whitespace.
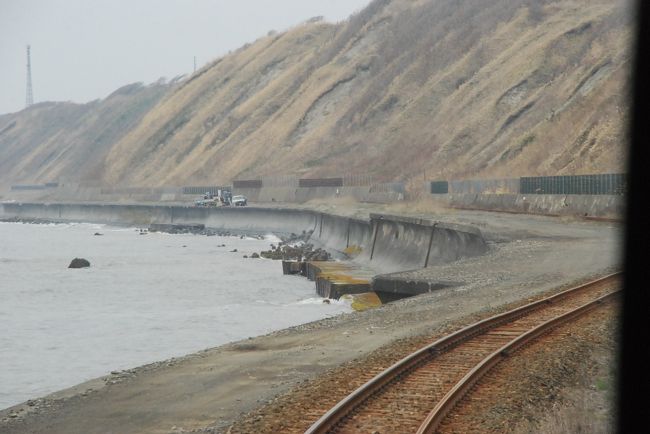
{"x":145,"y":298}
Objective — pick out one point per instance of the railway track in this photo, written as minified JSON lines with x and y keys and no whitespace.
{"x":416,"y":393}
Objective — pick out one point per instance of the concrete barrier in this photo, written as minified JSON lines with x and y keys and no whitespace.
{"x":603,"y":206}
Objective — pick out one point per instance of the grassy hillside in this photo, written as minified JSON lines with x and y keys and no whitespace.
{"x":403,"y":90}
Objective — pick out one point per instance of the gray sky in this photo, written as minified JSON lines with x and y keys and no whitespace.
{"x":85,"y":49}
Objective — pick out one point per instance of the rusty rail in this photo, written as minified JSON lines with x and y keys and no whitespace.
{"x":330,"y":420}
{"x":460,"y":389}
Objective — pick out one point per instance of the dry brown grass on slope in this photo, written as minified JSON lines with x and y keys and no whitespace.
{"x":411,"y":87}
{"x":206,"y":129}
{"x":402,"y":90}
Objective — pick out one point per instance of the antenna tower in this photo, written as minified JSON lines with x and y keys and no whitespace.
{"x":30,"y":96}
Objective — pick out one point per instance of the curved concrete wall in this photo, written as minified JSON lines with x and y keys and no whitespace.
{"x":451,"y":242}
{"x":401,"y":243}
{"x":398,"y":245}
{"x":248,"y":219}
{"x":360,"y":234}
{"x":332,"y":231}
{"x":387,"y":243}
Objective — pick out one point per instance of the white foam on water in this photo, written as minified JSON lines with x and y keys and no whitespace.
{"x":272,"y":238}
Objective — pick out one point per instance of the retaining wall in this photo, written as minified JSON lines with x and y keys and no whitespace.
{"x":603,"y":206}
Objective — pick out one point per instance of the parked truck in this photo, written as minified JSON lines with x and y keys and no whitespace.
{"x":222,"y":198}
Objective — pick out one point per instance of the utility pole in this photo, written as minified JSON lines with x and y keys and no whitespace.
{"x":29,"y":100}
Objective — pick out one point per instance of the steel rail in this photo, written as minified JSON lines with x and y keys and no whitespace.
{"x":460,"y":389}
{"x":346,"y":406}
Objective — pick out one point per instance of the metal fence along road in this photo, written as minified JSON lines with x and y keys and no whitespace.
{"x":608,"y":183}
{"x":604,"y":184}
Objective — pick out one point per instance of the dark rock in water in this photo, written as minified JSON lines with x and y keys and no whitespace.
{"x":79,"y":263}
{"x":233,"y":251}
{"x":255,"y":255}
{"x":326,"y":301}
{"x":245,"y":256}
{"x":98,"y":234}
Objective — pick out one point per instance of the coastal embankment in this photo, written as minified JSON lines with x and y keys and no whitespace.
{"x":210,"y":390}
{"x":381,"y":244}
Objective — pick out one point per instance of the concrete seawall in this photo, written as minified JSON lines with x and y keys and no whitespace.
{"x":402,"y":243}
{"x":383,"y":243}
{"x":235,"y":218}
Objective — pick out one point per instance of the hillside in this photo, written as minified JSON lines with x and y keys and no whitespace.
{"x":403,"y":90}
{"x":50,"y":142}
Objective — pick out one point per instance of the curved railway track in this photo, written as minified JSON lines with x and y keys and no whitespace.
{"x":416,"y":393}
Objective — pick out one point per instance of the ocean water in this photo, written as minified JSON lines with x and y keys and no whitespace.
{"x":145,"y":298}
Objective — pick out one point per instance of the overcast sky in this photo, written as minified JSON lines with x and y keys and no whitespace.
{"x":85,"y":49}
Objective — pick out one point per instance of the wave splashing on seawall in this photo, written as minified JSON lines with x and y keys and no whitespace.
{"x":145,"y":298}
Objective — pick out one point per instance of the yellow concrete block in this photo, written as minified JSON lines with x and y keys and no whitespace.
{"x":363,"y":301}
{"x":352,"y":251}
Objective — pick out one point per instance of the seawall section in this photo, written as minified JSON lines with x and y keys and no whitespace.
{"x":240,"y":219}
{"x":403,"y":243}
{"x":383,"y":243}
